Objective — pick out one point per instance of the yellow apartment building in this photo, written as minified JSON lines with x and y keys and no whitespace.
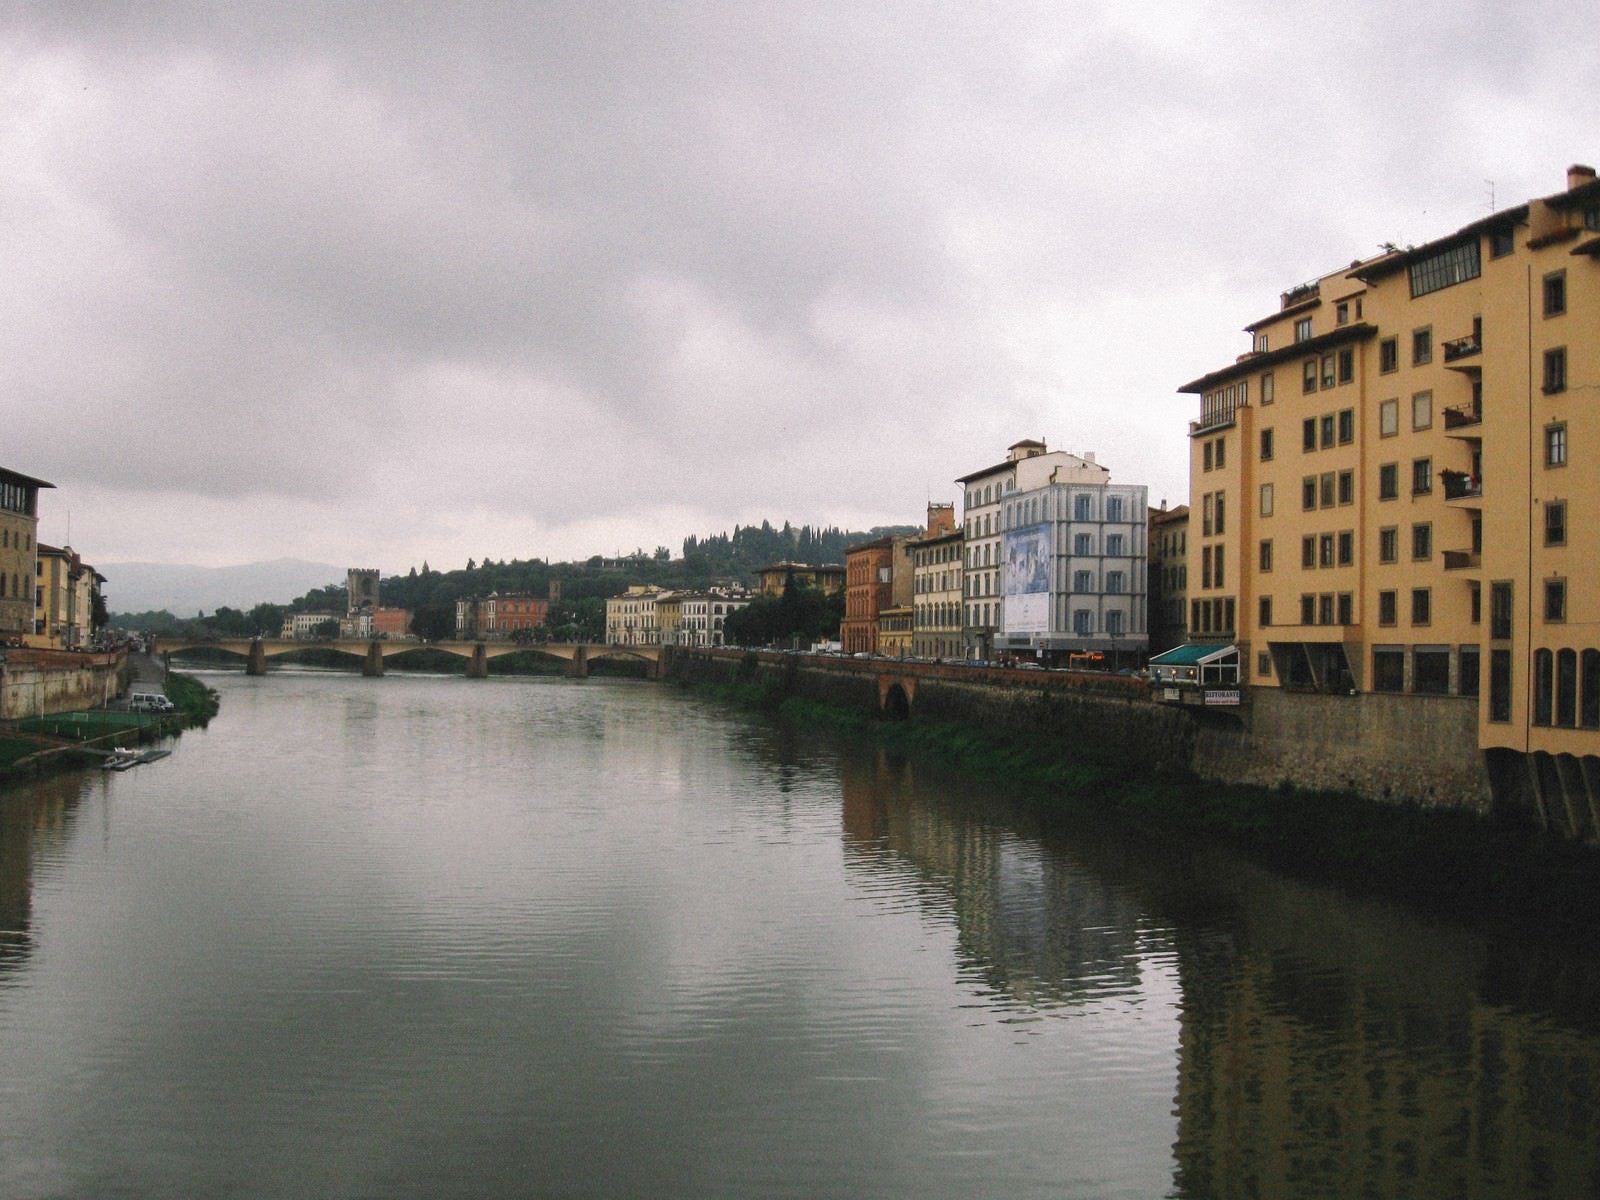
{"x":19,"y":522}
{"x":1394,"y":490}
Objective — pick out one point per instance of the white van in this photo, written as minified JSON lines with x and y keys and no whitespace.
{"x":150,"y":702}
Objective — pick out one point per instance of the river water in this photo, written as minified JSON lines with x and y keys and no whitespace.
{"x":428,"y":937}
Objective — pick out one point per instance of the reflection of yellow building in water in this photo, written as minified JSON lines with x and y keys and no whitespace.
{"x":1392,"y":490}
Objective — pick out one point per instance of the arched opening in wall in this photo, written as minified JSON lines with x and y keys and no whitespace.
{"x":896,"y":704}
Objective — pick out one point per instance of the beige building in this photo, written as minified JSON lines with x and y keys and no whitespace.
{"x":19,"y":523}
{"x":64,"y":591}
{"x":937,"y":600}
{"x":631,"y":617}
{"x":1392,"y":489}
{"x":827,"y":579}
{"x":703,"y":616}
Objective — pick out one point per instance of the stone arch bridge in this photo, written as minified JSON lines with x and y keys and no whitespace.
{"x":372,"y":653}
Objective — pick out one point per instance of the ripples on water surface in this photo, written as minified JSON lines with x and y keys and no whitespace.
{"x":431,"y":937}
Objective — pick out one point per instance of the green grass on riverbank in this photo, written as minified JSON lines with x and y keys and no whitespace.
{"x":1448,"y":863}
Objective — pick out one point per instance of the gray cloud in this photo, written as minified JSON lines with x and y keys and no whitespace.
{"x":333,"y":282}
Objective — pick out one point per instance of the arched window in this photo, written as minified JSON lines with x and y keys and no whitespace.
{"x":1589,"y":705}
{"x":1567,"y":688}
{"x":1543,"y":664}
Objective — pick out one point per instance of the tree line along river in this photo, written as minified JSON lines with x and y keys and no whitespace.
{"x":416,"y":936}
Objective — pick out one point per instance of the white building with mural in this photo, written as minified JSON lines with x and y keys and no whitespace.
{"x":1073,"y":576}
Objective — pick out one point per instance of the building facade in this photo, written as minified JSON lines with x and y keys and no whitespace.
{"x":869,"y":584}
{"x":1028,"y":464}
{"x":631,"y":617}
{"x":704,"y":614}
{"x":1393,"y":483}
{"x":1168,"y":576}
{"x":19,"y":525}
{"x":937,"y":573}
{"x":773,"y":580}
{"x":1073,"y":591}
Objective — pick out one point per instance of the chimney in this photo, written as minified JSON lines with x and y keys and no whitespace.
{"x":1578,"y":175}
{"x":1087,"y":456}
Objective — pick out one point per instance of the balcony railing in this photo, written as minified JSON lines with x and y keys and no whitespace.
{"x":1458,"y":485}
{"x":1462,"y":560}
{"x":1463,"y":416}
{"x":1463,"y":347}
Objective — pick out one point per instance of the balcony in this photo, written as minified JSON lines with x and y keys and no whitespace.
{"x":1463,"y":347}
{"x":1463,"y":416}
{"x":1458,"y":485}
{"x":1462,"y":560}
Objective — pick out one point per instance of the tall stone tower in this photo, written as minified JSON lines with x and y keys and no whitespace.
{"x":361,"y":585}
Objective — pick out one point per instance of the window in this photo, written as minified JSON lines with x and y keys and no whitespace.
{"x":1341,"y":314}
{"x":1114,"y":622}
{"x":1080,"y":502}
{"x":1555,"y":523}
{"x":1308,"y":376}
{"x":1500,"y":610}
{"x":1388,"y":669}
{"x":1327,"y":370}
{"x":1422,"y":410}
{"x":1388,"y":481}
{"x":1555,"y":600}
{"x":1264,"y":615}
{"x":1082,"y":543}
{"x":1543,"y":672}
{"x":1308,"y":610}
{"x":1566,"y":688}
{"x":1347,"y":547}
{"x":1555,"y":445}
{"x":1114,"y":545}
{"x":1266,"y":386}
{"x":1266,"y":499}
{"x":1082,"y":620}
{"x":1347,"y":608}
{"x":1445,"y":268}
{"x":1114,"y":506}
{"x":1468,"y":657}
{"x":1347,"y":426}
{"x":1421,"y":346}
{"x":1499,"y":685}
{"x":1308,"y":434}
{"x":1430,"y":670}
{"x":1264,"y":555}
{"x":1389,"y":355}
{"x":1308,"y":551}
{"x":1347,"y":487}
{"x":1222,"y":514}
{"x":1347,"y":365}
{"x":1222,"y":453}
{"x":1325,"y":550}
{"x":1205,"y":455}
{"x":1389,"y":544}
{"x":1302,"y":329}
{"x":1555,"y":293}
{"x":1501,"y":241}
{"x":1555,"y":370}
{"x":1421,"y":540}
{"x":1421,"y":606}
{"x":1325,"y":488}
{"x":1114,"y":581}
{"x":1308,"y":493}
{"x":1389,"y":418}
{"x":1327,"y":431}
{"x":1388,"y":607}
{"x":1216,"y":565}
{"x":1589,"y":702}
{"x":1266,"y":445}
{"x":1325,"y":609}
{"x":1083,"y":581}
{"x":1421,"y":476}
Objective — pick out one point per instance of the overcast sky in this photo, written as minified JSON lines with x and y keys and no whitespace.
{"x":379,"y":283}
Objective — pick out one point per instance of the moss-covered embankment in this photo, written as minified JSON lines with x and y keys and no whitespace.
{"x":1449,"y":863}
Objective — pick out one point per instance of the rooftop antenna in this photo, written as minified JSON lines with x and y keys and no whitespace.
{"x":1489,"y":183}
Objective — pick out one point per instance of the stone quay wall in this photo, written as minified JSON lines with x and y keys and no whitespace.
{"x":1412,"y":749}
{"x":36,"y":683}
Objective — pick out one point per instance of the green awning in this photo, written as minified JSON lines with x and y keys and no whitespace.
{"x":1192,"y":654}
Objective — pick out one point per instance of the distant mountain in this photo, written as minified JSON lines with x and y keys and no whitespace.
{"x":134,"y":587}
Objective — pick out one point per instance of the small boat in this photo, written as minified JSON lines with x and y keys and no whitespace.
{"x":121,"y":758}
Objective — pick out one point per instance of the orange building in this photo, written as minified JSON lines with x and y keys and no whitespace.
{"x":868,"y":590}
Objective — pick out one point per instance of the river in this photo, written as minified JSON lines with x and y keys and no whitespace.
{"x":430,"y":937}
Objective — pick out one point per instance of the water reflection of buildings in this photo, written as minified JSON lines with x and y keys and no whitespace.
{"x":33,"y":820}
{"x":1368,"y":1061}
{"x":1327,"y":1047}
{"x":1037,"y":926}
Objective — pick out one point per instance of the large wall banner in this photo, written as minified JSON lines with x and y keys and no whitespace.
{"x":1027,"y":580}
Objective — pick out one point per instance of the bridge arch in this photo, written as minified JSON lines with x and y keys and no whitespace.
{"x":896,"y":694}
